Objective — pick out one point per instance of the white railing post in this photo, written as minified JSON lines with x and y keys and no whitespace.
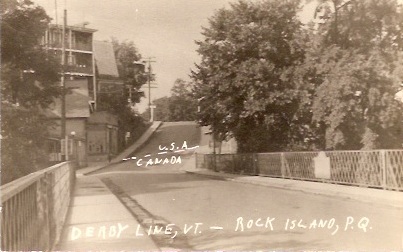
{"x":382,"y":160}
{"x":282,"y":165}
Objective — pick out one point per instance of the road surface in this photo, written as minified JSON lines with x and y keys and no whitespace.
{"x":185,"y":211}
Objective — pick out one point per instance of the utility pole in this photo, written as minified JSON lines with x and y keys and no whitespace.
{"x":63,"y":84}
{"x":149,"y":60}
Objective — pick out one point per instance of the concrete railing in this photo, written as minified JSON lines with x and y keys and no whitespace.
{"x":375,"y":168}
{"x":34,"y":208}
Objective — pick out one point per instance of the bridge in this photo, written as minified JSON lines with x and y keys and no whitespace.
{"x":167,"y":192}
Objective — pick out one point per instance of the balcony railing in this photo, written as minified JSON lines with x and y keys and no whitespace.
{"x":84,"y":69}
{"x":82,"y":46}
{"x":87,"y":47}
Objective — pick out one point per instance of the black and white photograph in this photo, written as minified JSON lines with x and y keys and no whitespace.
{"x":201,"y":125}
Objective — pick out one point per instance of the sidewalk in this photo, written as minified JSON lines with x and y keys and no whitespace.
{"x":98,"y":221}
{"x":368,"y":195}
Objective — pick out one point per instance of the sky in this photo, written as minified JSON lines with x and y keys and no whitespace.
{"x":163,"y":29}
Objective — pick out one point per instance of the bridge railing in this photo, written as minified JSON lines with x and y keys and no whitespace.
{"x":375,"y":168}
{"x":34,"y":208}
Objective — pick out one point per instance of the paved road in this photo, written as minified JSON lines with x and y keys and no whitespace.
{"x":234,"y":216}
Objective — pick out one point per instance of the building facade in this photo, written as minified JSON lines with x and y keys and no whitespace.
{"x":90,"y":72}
{"x":102,"y":126}
{"x":80,"y":82}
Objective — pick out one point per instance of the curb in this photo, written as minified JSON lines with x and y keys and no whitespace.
{"x":367,"y":198}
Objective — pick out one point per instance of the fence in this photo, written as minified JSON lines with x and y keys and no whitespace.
{"x":376,"y":168}
{"x":34,"y":208}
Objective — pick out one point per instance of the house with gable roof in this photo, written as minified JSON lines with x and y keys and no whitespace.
{"x":102,"y":126}
{"x":91,"y":70}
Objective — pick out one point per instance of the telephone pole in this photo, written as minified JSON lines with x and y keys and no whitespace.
{"x":149,"y":60}
{"x":63,"y":85}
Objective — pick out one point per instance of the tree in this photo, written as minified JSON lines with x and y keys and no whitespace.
{"x":266,"y":80}
{"x":353,"y":64}
{"x":240,"y":83}
{"x":29,"y":77}
{"x":161,"y":111}
{"x":29,"y":72}
{"x":182,"y":106}
{"x":132,"y":75}
{"x":362,"y":24}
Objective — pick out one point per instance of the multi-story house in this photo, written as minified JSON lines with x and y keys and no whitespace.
{"x":79,"y":53}
{"x":90,"y":70}
{"x":80,"y":82}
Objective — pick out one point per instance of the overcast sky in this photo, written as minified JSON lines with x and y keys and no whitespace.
{"x":164,"y":29}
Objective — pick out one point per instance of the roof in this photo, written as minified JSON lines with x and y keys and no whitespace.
{"x":74,"y":28}
{"x":105,"y":58}
{"x":77,"y":101}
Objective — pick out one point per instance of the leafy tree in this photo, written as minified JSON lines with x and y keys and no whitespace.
{"x":245,"y":51}
{"x":275,"y":85}
{"x":182,"y":106}
{"x":161,"y":111}
{"x":132,"y":75}
{"x":362,"y":24}
{"x":29,"y":72}
{"x":355,"y":75}
{"x":29,"y":77}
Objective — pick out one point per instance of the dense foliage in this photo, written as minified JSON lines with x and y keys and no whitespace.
{"x":29,"y":77}
{"x":275,"y":84}
{"x":355,"y":61}
{"x":133,"y":75}
{"x":180,"y":106}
